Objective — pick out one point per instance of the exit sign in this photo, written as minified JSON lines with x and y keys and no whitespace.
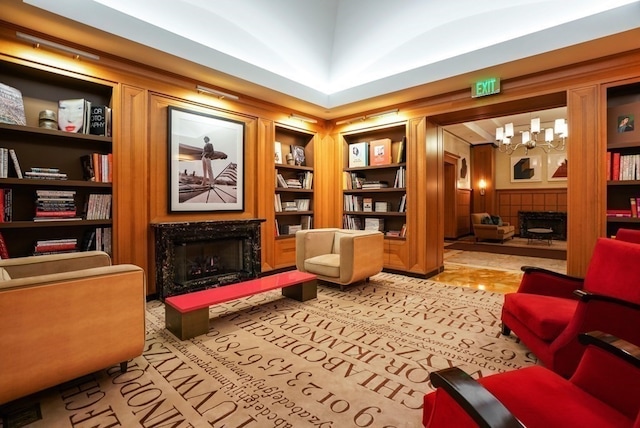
{"x":485,"y":87}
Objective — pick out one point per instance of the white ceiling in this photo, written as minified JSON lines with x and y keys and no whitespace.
{"x":334,"y":52}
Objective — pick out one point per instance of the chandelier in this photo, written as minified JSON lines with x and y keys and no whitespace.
{"x":554,"y":138}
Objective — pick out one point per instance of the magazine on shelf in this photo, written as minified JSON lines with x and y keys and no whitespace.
{"x":11,"y":106}
{"x":278,"y":152}
{"x":359,"y":154}
{"x":380,"y":152}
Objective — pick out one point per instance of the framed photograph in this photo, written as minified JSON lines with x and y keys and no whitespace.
{"x":525,"y":169}
{"x":557,"y":167}
{"x":206,"y":162}
{"x":621,"y":124}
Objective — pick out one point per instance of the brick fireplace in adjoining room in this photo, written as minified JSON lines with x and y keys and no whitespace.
{"x":193,"y":256}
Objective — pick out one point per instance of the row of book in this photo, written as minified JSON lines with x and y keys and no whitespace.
{"x":354,"y":181}
{"x":39,"y":173}
{"x":306,"y":222}
{"x":295,"y":205}
{"x":80,"y":116}
{"x":359,"y":203}
{"x":623,"y":167}
{"x":99,"y":206}
{"x":375,"y":152}
{"x":99,"y":239}
{"x":304,"y":180}
{"x":5,"y":155}
{"x":371,"y":223}
{"x":632,"y":211}
{"x":97,"y":167}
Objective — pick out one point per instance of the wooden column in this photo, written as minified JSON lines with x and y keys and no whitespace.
{"x":483,"y":165}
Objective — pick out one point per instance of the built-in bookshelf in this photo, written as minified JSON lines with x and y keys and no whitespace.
{"x":374,"y":181}
{"x":293,"y":196}
{"x":49,"y":204}
{"x":623,"y":157}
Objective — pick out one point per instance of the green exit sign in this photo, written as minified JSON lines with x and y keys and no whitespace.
{"x":485,"y":87}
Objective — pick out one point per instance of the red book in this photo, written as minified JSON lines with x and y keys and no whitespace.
{"x":634,"y":208}
{"x":608,"y":165}
{"x":4,"y":253}
{"x":615,"y":168}
{"x":55,"y":213}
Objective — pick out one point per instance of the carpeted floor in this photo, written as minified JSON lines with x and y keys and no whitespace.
{"x":354,"y":358}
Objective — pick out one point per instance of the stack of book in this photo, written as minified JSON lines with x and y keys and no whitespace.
{"x":55,"y":246}
{"x":302,"y":204}
{"x":54,"y":205}
{"x":374,"y":184}
{"x":46,"y":174}
{"x":293,"y":183}
{"x":289,"y":206}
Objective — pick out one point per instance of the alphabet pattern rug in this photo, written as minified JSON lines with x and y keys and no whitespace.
{"x":354,"y":358}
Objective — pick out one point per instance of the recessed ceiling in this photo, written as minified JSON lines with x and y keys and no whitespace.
{"x":334,"y":52}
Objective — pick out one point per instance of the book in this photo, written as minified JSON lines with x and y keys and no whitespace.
{"x":11,"y":106}
{"x":634,"y":207}
{"x":74,"y":115}
{"x":400,"y":157}
{"x":359,"y":155}
{"x":278,"y":152}
{"x":367,"y":204}
{"x":100,"y":120}
{"x":374,"y":224}
{"x":4,"y":252}
{"x":298,"y":155}
{"x":16,"y":164}
{"x":88,"y":171}
{"x":380,"y":152}
{"x":381,"y":206}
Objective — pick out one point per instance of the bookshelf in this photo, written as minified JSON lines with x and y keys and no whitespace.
{"x":39,"y":147}
{"x":293,"y":196}
{"x":374,"y":196}
{"x":623,"y":157}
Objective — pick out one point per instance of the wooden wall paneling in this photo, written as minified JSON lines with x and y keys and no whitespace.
{"x":463,"y":212}
{"x":425,"y":182}
{"x":511,"y":201}
{"x":266,"y":172}
{"x":450,"y":195}
{"x":483,"y":165}
{"x":131,"y":179}
{"x":586,"y":193}
{"x":327,"y":181}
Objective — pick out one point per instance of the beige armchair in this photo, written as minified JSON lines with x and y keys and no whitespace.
{"x":340,"y":256}
{"x":490,"y":231}
{"x":64,"y":316}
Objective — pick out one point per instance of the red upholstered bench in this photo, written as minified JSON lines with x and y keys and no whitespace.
{"x":187,"y":315}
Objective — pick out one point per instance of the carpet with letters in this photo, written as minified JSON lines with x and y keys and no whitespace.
{"x":354,"y":358}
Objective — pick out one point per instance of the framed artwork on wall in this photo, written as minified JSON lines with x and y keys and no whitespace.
{"x":557,"y":167}
{"x":206,"y":162}
{"x":525,"y":169}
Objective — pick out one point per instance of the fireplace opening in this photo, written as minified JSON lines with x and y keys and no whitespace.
{"x":201,"y":263}
{"x":554,"y":220}
{"x":193,"y":256}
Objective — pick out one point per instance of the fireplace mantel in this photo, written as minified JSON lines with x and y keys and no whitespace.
{"x":554,"y":220}
{"x":172,"y":238}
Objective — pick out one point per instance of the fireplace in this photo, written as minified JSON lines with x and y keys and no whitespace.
{"x":193,"y":256}
{"x":554,"y":220}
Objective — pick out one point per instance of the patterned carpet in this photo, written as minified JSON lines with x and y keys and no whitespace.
{"x":354,"y":358}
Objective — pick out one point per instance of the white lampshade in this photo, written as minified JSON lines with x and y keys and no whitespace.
{"x":508,"y":130}
{"x":499,"y":134}
{"x":525,"y":136}
{"x":560,"y":126}
{"x":548,"y":134}
{"x":506,"y":141}
{"x":535,"y":125}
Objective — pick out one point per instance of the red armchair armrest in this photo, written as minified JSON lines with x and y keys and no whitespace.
{"x":549,"y":283}
{"x":483,"y":407}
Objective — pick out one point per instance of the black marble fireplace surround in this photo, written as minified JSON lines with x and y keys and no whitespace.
{"x":197,"y":255}
{"x":554,"y":220}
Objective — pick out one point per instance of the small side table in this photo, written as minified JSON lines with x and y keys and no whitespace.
{"x":539,"y":234}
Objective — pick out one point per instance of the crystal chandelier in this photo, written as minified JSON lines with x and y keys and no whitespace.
{"x":554,"y":138}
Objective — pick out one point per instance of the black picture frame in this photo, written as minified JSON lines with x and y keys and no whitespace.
{"x":197,"y":140}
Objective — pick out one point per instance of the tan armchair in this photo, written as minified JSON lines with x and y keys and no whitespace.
{"x":490,"y":231}
{"x":64,"y":316}
{"x":340,"y":256}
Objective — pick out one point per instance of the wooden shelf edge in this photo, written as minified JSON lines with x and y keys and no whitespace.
{"x":54,"y":223}
{"x":53,"y":133}
{"x":54,"y":183}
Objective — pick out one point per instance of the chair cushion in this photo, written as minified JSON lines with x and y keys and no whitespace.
{"x":486,"y":220}
{"x":496,"y":220}
{"x":545,"y":316}
{"x":336,"y":241}
{"x":325,"y":265}
{"x":614,"y":269}
{"x":4,"y":275}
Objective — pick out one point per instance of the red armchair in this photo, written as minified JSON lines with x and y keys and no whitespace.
{"x":603,"y":392}
{"x":549,"y":309}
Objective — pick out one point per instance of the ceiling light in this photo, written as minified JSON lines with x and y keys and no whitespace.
{"x":219,"y":94}
{"x":303,"y":118}
{"x":382,"y":113}
{"x":554,"y":137}
{"x":352,"y":120}
{"x":37,"y":42}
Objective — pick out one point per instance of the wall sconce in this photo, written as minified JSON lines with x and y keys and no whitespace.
{"x":37,"y":42}
{"x":219,"y":94}
{"x":352,"y":120}
{"x":303,"y":118}
{"x":483,"y":186}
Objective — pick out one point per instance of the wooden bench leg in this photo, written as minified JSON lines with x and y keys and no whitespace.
{"x":186,"y":325}
{"x":302,"y":292}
